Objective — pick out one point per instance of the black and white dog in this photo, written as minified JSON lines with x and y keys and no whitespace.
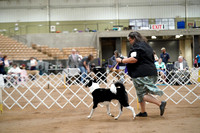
{"x":117,"y":91}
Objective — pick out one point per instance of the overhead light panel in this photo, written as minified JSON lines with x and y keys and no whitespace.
{"x":177,"y":36}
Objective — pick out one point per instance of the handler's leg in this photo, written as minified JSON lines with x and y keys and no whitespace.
{"x":143,"y":112}
{"x":142,"y":105}
{"x":151,"y":99}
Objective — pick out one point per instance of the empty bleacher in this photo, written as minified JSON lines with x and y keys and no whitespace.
{"x":56,"y":53}
{"x":18,"y":51}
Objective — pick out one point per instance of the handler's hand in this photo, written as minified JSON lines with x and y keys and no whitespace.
{"x":118,"y":60}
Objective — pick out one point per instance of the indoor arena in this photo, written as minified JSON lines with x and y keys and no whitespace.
{"x":50,"y":50}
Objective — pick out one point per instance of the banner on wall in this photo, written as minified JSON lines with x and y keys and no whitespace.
{"x":53,"y":28}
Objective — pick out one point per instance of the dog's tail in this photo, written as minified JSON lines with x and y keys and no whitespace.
{"x":117,"y":88}
{"x":122,"y":94}
{"x":120,"y":85}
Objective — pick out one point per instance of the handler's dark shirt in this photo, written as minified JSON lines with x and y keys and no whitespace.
{"x":145,"y":64}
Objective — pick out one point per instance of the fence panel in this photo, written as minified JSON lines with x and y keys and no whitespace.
{"x":50,"y":90}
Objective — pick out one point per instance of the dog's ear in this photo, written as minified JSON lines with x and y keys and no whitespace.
{"x":95,"y":80}
{"x":88,"y":83}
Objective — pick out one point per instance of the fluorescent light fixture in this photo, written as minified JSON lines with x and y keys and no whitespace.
{"x":153,"y":37}
{"x":177,"y":36}
{"x":180,"y":35}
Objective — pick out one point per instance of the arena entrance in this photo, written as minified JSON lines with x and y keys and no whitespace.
{"x":108,"y":46}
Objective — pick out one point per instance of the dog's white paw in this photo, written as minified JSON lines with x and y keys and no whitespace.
{"x":110,"y":115}
{"x":134,"y":115}
{"x":89,"y":117}
{"x":116,"y":118}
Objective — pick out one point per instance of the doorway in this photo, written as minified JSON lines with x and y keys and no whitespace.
{"x":108,"y":46}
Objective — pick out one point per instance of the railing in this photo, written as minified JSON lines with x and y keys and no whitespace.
{"x":65,"y":90}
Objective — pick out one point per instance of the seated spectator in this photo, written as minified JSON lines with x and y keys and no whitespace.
{"x":23,"y":74}
{"x":161,"y":68}
{"x":84,"y":66}
{"x":181,"y":64}
{"x":33,"y":63}
{"x":155,"y":56}
{"x":14,"y":73}
{"x":182,"y":72}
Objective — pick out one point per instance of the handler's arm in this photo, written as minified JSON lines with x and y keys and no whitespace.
{"x":127,"y":60}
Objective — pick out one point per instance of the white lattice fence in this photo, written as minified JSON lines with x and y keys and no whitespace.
{"x":50,"y":90}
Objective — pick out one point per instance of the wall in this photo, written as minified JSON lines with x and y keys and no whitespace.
{"x":61,"y":40}
{"x":74,"y":10}
{"x":172,"y":48}
{"x":35,"y":16}
{"x":99,"y":25}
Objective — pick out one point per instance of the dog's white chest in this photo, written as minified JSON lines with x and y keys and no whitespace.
{"x":94,"y":87}
{"x":113,"y":89}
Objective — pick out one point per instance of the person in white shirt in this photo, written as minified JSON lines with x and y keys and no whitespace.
{"x":73,"y":60}
{"x":14,"y":73}
{"x":14,"y":70}
{"x":33,"y":63}
{"x":181,"y":64}
{"x":182,"y":72}
{"x":80,"y":57}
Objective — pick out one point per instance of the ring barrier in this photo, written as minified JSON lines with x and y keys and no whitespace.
{"x":62,"y":90}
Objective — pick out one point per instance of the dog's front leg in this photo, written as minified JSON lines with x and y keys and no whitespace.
{"x":120,"y":111}
{"x":93,"y":108}
{"x":91,"y":113}
{"x":108,"y":110}
{"x":133,"y":111}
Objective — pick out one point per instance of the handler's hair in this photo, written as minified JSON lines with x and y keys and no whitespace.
{"x":137,"y":36}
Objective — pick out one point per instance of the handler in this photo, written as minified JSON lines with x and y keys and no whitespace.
{"x":141,"y":68}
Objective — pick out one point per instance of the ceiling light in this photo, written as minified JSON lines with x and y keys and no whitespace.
{"x":177,"y":36}
{"x":153,"y":37}
{"x":180,"y":35}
